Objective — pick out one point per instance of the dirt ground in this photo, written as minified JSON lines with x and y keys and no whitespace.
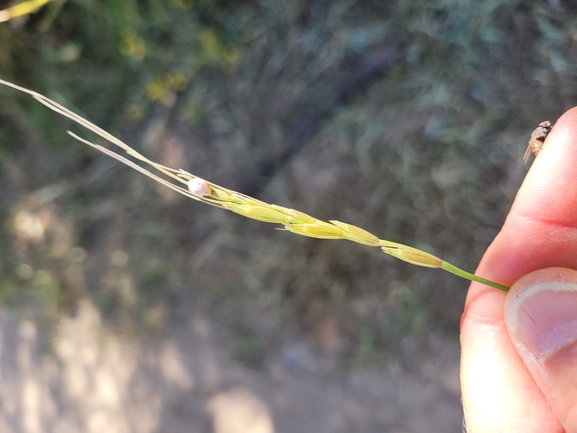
{"x":184,"y":381}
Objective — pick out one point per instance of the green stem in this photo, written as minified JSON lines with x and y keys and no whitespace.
{"x":464,"y":274}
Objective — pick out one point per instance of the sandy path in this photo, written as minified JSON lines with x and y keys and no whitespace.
{"x":184,"y":382}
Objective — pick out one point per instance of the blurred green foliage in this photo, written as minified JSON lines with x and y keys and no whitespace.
{"x":428,"y":154}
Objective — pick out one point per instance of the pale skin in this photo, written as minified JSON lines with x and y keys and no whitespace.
{"x":504,"y":388}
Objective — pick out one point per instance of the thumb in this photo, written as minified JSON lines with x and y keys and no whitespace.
{"x":541,"y":316}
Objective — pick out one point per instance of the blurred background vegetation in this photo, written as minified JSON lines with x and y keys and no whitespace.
{"x":407,"y":118}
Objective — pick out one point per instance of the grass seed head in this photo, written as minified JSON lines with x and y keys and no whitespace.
{"x":214,"y":195}
{"x":220,"y":193}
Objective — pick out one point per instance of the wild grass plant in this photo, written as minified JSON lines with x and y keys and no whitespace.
{"x":212,"y":194}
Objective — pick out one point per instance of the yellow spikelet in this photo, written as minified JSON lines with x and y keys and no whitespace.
{"x":319,"y":229}
{"x":257,"y":212}
{"x":414,"y":256}
{"x":357,"y":234}
{"x":220,"y":193}
{"x":296,"y":217}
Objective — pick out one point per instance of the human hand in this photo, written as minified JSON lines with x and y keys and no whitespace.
{"x":519,"y":349}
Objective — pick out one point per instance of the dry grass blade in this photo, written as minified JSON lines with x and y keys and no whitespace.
{"x":135,"y":166}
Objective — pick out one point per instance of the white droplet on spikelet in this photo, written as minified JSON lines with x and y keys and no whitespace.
{"x":198,"y":187}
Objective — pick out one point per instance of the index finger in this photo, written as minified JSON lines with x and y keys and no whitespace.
{"x":540,"y":231}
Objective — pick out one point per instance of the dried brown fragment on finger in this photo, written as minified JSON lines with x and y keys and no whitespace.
{"x":537,"y":139}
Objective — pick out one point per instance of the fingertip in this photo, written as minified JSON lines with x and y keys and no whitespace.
{"x":541,"y":315}
{"x":567,"y":118}
{"x":564,"y":130}
{"x":541,"y":312}
{"x":541,"y":228}
{"x":552,"y":177}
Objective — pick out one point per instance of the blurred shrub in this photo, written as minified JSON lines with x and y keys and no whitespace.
{"x":429,"y":154}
